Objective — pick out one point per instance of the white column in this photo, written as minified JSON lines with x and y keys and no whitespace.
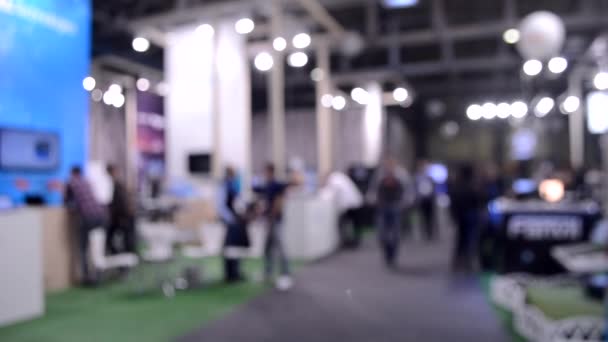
{"x":324,"y":115}
{"x":277,"y":94}
{"x":576,"y":121}
{"x":372,"y":129}
{"x":234,"y":101}
{"x":189,"y":104}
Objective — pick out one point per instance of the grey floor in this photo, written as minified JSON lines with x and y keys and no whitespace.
{"x":351,"y":297}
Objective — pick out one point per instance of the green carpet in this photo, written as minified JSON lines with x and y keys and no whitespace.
{"x":563,"y":302}
{"x":115,"y":313}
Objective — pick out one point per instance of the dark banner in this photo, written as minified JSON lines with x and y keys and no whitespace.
{"x":150,"y":139}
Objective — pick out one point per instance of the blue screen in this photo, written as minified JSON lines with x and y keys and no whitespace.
{"x":44,"y":56}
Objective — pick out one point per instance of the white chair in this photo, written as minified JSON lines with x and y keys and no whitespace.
{"x":159,"y":238}
{"x":102,"y":262}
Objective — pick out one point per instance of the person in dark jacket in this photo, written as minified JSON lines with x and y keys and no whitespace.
{"x":122,"y":218}
{"x":236,"y":226}
{"x":465,"y":199}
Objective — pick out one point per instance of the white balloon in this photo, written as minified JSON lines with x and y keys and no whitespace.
{"x":352,"y":45}
{"x":542,"y":36}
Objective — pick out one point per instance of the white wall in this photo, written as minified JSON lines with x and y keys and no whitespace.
{"x":189,"y":105}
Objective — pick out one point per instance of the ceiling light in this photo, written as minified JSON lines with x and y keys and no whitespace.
{"x":162,"y":89}
{"x":544,"y":106}
{"x":317,"y":74}
{"x":519,"y":109}
{"x":326,"y":100}
{"x":244,"y":26}
{"x":503,"y":110}
{"x":115,"y":88}
{"x":533,"y":67}
{"x":279,"y":44}
{"x":108,"y":97}
{"x":400,"y":94}
{"x":600,"y":81}
{"x":557,"y":65}
{"x":399,"y":3}
{"x":88,"y":83}
{"x":143,"y":84}
{"x":338,"y":102}
{"x":511,"y":36}
{"x":297,"y":59}
{"x":301,"y":41}
{"x":263,"y":61}
{"x":205,"y":30}
{"x":118,"y":100}
{"x":474,"y":112}
{"x":489,"y":111}
{"x":360,"y":96}
{"x":570,"y":105}
{"x":141,"y":44}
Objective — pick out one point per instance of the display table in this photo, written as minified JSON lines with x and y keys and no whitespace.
{"x":59,"y":249}
{"x":310,"y":227}
{"x":21,"y":287}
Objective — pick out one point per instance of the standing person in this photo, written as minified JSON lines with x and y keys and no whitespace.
{"x":393,"y":192}
{"x":425,"y":195}
{"x":273,"y":193}
{"x":90,"y":213}
{"x":348,"y":200}
{"x":122,"y":218}
{"x":236,"y":225}
{"x":465,"y":201}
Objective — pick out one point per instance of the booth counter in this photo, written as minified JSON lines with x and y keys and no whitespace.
{"x":310,"y":230}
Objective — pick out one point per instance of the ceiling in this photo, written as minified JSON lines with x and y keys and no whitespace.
{"x":445,"y":49}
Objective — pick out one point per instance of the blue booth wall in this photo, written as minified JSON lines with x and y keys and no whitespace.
{"x":44,"y":56}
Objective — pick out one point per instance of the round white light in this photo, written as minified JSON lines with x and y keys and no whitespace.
{"x":108,"y":97}
{"x":360,"y":96}
{"x":570,"y":104}
{"x":544,"y":106}
{"x":400,"y":94}
{"x":489,"y":111}
{"x":263,"y":61}
{"x":503,"y":110}
{"x":519,"y":109}
{"x":88,"y":83}
{"x":338,"y":102}
{"x":557,"y":65}
{"x":317,"y":74}
{"x":297,"y":59}
{"x":511,"y":36}
{"x":244,"y":26}
{"x":600,"y":81}
{"x":301,"y":40}
{"x":205,"y":30}
{"x":326,"y":100}
{"x":279,"y":44}
{"x":533,"y":67}
{"x":143,"y":84}
{"x":474,"y":112}
{"x":118,"y":100}
{"x":141,"y":44}
{"x":97,"y":95}
{"x":115,"y":88}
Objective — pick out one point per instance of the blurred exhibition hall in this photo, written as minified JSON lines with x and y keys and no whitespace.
{"x":304,"y":170}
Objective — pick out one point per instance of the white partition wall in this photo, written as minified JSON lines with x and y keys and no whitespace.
{"x":208,"y":106}
{"x":189,"y":104}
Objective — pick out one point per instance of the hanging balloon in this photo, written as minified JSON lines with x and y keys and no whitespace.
{"x":352,"y":44}
{"x":542,"y":36}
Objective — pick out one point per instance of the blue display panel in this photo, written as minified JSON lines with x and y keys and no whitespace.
{"x":44,"y":56}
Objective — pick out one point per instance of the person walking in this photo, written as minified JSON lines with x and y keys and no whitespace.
{"x":272,"y":192}
{"x":393,"y":192}
{"x":122,"y":217}
{"x":89,"y":212}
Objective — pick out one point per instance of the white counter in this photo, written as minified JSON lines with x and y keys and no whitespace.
{"x":310,"y":227}
{"x":21,"y":272}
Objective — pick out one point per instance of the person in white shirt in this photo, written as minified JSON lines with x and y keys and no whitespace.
{"x":348,"y":200}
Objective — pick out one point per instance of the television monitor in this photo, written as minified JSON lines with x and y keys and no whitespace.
{"x":199,"y":163}
{"x":29,"y":150}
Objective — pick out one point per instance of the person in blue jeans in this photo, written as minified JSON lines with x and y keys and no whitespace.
{"x":272,"y":193}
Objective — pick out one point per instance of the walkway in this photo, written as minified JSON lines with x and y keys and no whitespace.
{"x":351,"y":298}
